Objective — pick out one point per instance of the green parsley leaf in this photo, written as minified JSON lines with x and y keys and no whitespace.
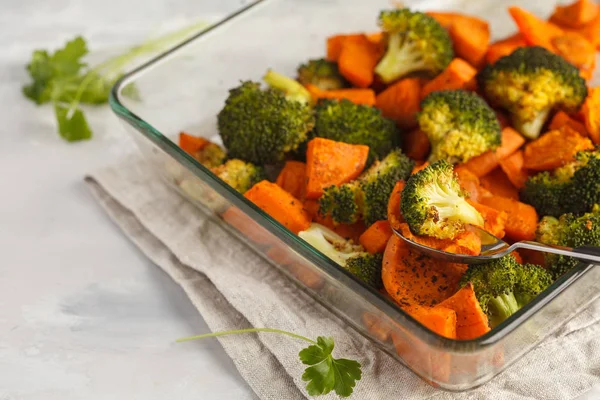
{"x":41,"y":72}
{"x":53,"y":75}
{"x":327,"y":373}
{"x":62,"y":78}
{"x":347,"y":372}
{"x":72,"y":124}
{"x":67,"y":61}
{"x":324,"y":374}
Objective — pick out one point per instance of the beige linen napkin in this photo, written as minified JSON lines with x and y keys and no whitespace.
{"x":233,"y":288}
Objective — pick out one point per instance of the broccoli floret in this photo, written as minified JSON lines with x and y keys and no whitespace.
{"x":211,"y":155}
{"x":415,"y":42}
{"x":530,"y":83}
{"x":573,"y":188}
{"x":239,"y":174}
{"x":544,"y":192}
{"x":367,"y":268}
{"x":378,"y":182}
{"x":367,"y":197}
{"x":433,"y":203}
{"x":345,"y":121}
{"x":549,"y":230}
{"x":323,"y":74}
{"x":292,"y":89}
{"x":503,"y":286}
{"x":262,"y":126}
{"x":353,"y":258}
{"x":531,"y":280}
{"x":570,"y":231}
{"x":343,"y":203}
{"x":459,"y":124}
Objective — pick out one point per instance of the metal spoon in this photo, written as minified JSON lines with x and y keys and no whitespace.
{"x":493,"y":248}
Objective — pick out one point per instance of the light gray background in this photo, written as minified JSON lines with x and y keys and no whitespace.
{"x":83,"y":314}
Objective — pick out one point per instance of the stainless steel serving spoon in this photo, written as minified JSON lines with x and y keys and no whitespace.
{"x":493,"y":248}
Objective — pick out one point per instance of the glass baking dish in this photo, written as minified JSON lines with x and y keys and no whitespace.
{"x":185,"y":87}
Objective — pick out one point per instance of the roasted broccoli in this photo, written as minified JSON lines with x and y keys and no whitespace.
{"x":353,"y":258}
{"x":459,"y":124}
{"x":573,"y":188}
{"x":367,"y":197}
{"x":415,"y":42}
{"x":292,"y":89}
{"x":323,"y":74}
{"x":367,"y":268}
{"x":378,"y":182}
{"x":544,"y":191}
{"x":433,"y":203}
{"x":570,"y":231}
{"x":344,"y":121}
{"x":503,"y":286}
{"x":211,"y":155}
{"x":261,"y":126}
{"x":530,"y":83}
{"x":343,"y":203}
{"x":239,"y":174}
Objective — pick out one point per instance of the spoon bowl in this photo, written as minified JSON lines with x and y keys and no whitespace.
{"x":493,"y":248}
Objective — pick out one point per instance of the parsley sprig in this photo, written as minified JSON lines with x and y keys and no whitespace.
{"x":63,"y":79}
{"x":323,"y":374}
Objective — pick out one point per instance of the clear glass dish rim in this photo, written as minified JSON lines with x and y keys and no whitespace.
{"x":329,"y":267}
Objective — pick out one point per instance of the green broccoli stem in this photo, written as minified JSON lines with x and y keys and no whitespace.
{"x":501,"y":307}
{"x":453,"y":207}
{"x":250,"y":330}
{"x":293,"y":89}
{"x":532,"y":129}
{"x":466,"y":213}
{"x":403,"y":57}
{"x":523,"y":298}
{"x":114,"y":66}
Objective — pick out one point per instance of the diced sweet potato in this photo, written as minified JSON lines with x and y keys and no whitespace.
{"x":488,"y":161}
{"x":514,"y":168}
{"x":561,"y":119}
{"x":555,"y":149}
{"x":416,"y":144}
{"x":375,"y":238}
{"x":495,"y":220}
{"x":332,"y":163}
{"x":280,"y":205}
{"x":576,"y":14}
{"x":522,"y":218}
{"x":471,"y":321}
{"x":456,"y":76}
{"x":591,"y":114}
{"x":504,"y":47}
{"x":497,"y":183}
{"x":401,"y":102}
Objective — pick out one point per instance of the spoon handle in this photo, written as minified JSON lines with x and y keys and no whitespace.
{"x":584,"y":253}
{"x":588,"y":253}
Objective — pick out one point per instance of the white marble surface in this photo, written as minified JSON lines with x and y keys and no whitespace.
{"x":84,"y":315}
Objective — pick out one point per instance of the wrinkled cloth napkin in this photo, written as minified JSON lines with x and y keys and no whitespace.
{"x":233,"y":288}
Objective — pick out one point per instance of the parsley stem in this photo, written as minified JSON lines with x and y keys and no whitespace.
{"x":250,"y":330}
{"x":115,"y":64}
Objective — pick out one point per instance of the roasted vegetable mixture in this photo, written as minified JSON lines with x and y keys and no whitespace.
{"x":429,"y":127}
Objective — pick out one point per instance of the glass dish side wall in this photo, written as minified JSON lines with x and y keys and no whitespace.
{"x":185,"y":91}
{"x":439,"y":363}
